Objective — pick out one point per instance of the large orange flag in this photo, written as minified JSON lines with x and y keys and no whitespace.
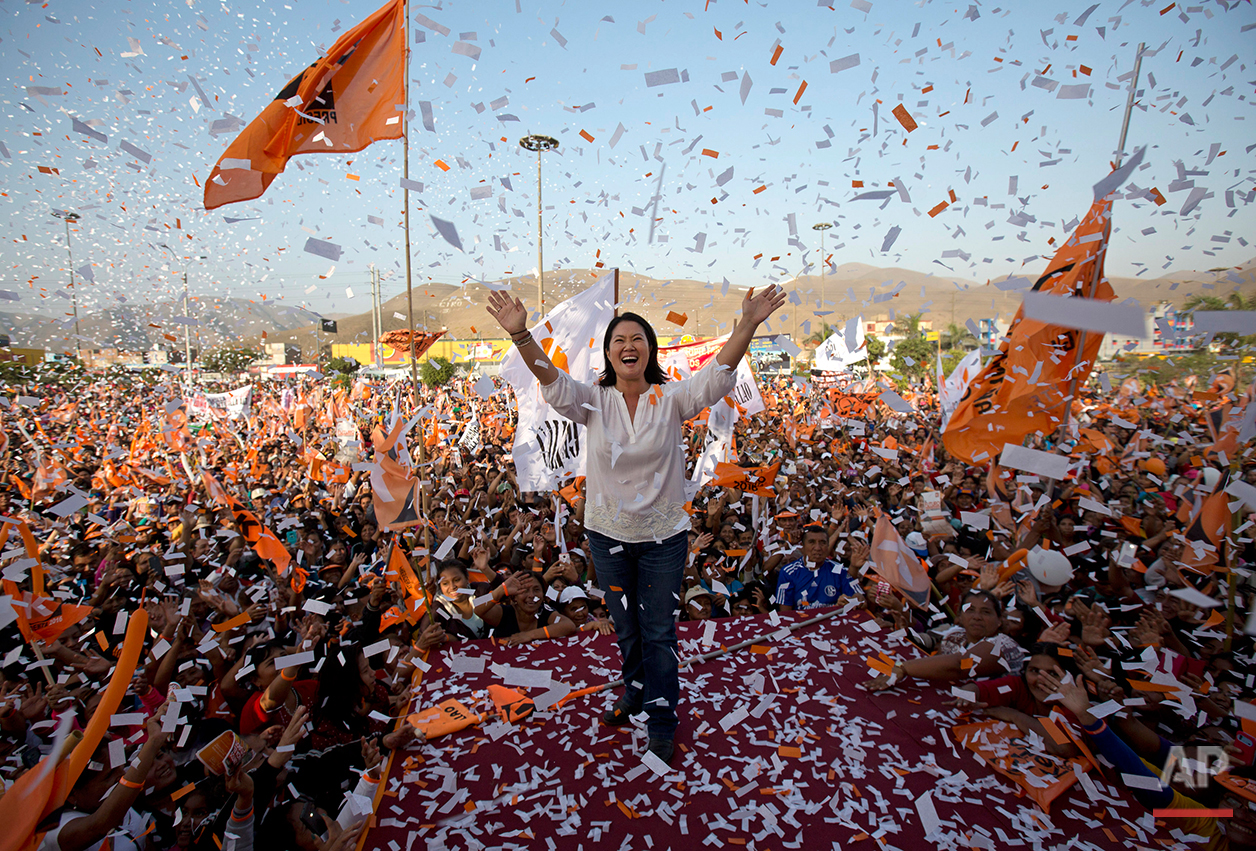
{"x":346,"y":100}
{"x":1022,"y":389}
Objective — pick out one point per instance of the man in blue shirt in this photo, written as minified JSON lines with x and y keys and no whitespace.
{"x":814,"y":579}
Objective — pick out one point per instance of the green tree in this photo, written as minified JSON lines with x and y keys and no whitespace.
{"x":436,"y":372}
{"x":913,"y":356}
{"x":875,"y":347}
{"x":228,"y":359}
{"x":343,"y":369}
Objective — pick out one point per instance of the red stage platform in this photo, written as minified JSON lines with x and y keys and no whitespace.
{"x":778,"y":748}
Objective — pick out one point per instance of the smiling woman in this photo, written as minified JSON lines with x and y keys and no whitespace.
{"x":635,"y":514}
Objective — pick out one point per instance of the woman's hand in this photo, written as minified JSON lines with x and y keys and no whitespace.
{"x":1095,"y":622}
{"x":1026,"y":594}
{"x":400,"y":737}
{"x":967,"y":705}
{"x":1056,"y":633}
{"x":509,"y":312}
{"x":432,"y":636}
{"x":371,"y":755}
{"x":602,"y":626}
{"x":293,"y":733}
{"x":755,"y":309}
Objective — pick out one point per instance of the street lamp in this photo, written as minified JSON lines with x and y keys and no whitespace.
{"x":187,"y":314}
{"x":822,"y":227}
{"x":72,"y":217}
{"x":540,"y":144}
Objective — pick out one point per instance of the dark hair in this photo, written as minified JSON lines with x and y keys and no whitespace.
{"x":653,"y":372}
{"x":972,"y":595}
{"x":1046,"y":648}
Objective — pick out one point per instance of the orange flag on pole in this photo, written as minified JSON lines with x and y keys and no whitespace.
{"x":1022,"y":389}
{"x":1207,"y":530}
{"x":894,"y":562}
{"x":341,"y":103}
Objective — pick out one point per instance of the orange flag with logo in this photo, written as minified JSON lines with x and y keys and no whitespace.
{"x":341,"y":103}
{"x":1022,"y":389}
{"x":756,"y":480}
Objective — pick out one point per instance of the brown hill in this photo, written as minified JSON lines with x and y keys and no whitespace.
{"x":849,"y":290}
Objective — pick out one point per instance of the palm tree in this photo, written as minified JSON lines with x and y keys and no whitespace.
{"x":959,"y":336}
{"x":818,"y":337}
{"x":906,"y":326}
{"x":1232,"y":301}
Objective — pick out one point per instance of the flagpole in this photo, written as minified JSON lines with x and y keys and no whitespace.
{"x":1107,"y":230}
{"x":425,"y":498}
{"x":615,"y":304}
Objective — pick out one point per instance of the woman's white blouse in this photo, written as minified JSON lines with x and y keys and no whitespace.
{"x":635,"y":467}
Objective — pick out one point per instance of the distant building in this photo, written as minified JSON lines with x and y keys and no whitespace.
{"x":1167,"y":330}
{"x":30,"y":357}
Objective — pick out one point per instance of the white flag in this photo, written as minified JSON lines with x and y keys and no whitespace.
{"x":952,"y":390}
{"x":721,"y":418}
{"x":550,"y":448}
{"x":843,"y":348}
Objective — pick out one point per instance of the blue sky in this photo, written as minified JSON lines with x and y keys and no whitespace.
{"x":986,"y":84}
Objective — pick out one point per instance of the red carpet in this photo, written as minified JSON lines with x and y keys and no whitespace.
{"x":808,"y":760}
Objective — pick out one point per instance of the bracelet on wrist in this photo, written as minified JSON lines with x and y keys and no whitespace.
{"x":130,"y":784}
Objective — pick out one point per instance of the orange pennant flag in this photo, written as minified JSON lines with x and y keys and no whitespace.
{"x":756,"y":480}
{"x":341,"y":103}
{"x":1002,"y":405}
{"x":895,"y":562}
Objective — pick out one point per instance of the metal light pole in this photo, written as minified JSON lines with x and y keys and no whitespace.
{"x":187,"y":315}
{"x":540,"y":144}
{"x":822,"y":227}
{"x":69,"y":218}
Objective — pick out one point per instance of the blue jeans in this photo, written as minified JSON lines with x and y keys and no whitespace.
{"x":642,"y":583}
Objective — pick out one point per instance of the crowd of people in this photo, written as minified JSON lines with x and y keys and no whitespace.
{"x":285,"y":622}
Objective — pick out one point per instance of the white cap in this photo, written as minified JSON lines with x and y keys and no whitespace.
{"x":916,"y":541}
{"x":1049,"y":567}
{"x":571,"y":592}
{"x":1211,"y":475}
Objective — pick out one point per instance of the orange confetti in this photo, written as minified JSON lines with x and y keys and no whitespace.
{"x":904,"y":118}
{"x":584,"y":134}
{"x":801,"y":89}
{"x":352,"y":177}
{"x":942,"y":206}
{"x":1157,"y":197}
{"x":707,"y":152}
{"x":776,"y":54}
{"x":440,"y":164}
{"x":760,"y":189}
{"x":677,"y":318}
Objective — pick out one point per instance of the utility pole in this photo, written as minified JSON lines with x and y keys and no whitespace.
{"x":540,"y":144}
{"x":70,"y":216}
{"x":822,"y":227}
{"x":376,"y":317}
{"x":187,"y":315}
